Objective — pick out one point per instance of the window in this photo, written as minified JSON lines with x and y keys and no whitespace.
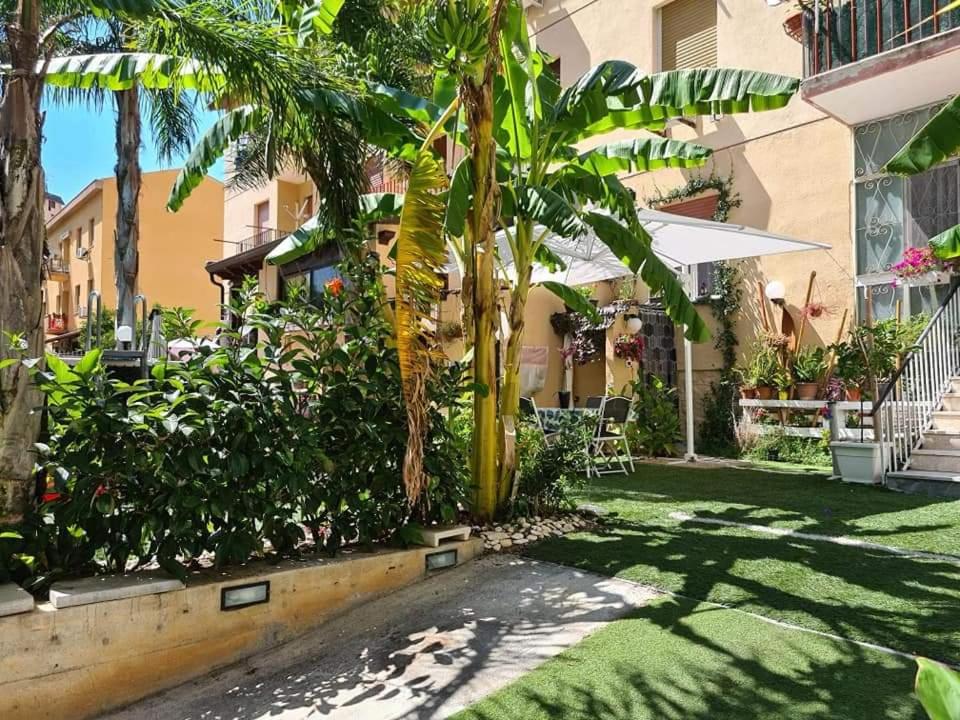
{"x":703,"y":207}
{"x":90,"y":232}
{"x":688,"y":34}
{"x":79,"y":238}
{"x":312,"y":281}
{"x":894,"y":213}
{"x":76,"y":298}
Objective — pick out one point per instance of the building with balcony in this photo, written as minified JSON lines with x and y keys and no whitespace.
{"x":173,"y":248}
{"x":872,"y":71}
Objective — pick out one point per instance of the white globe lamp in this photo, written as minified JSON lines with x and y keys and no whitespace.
{"x":634,"y":325}
{"x":775,"y":291}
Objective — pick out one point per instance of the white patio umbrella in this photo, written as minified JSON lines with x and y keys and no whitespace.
{"x":681,"y":242}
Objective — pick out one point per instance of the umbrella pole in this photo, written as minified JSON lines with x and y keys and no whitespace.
{"x":691,"y":454}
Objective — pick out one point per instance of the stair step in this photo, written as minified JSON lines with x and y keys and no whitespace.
{"x":941,"y":440}
{"x":951,"y":401}
{"x":946,"y":420}
{"x":936,"y":459}
{"x":925,"y":482}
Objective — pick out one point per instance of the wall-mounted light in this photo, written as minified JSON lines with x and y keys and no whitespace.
{"x":441,"y":560}
{"x":634,"y":325}
{"x":241,"y":596}
{"x":775,"y":292}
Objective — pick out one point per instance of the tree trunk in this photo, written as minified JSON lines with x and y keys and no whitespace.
{"x":478,"y":101}
{"x":126,"y":259}
{"x":510,"y":396}
{"x":21,"y":260}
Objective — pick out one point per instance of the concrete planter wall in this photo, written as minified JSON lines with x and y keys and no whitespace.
{"x":858,"y":462}
{"x":78,"y":662}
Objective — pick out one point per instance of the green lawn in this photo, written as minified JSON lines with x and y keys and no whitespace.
{"x":682,"y":659}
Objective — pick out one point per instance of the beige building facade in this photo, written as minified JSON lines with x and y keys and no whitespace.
{"x":808,"y":171}
{"x":173,"y":248}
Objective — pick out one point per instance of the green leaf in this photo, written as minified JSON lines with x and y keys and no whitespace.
{"x":61,"y":371}
{"x":634,"y":247}
{"x":548,"y":258}
{"x":89,"y":361}
{"x":316,"y":231}
{"x":938,"y":688}
{"x":401,"y":103}
{"x":319,"y":18}
{"x":574,"y":300}
{"x":946,"y":245}
{"x":935,"y":142}
{"x":210,"y":148}
{"x":7,"y":362}
{"x":459,"y":199}
{"x":641,"y":155}
{"x":544,"y":206}
{"x":130,"y":8}
{"x":121,"y":71}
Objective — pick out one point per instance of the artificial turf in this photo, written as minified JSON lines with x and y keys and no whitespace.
{"x":679,"y":658}
{"x":689,"y":661}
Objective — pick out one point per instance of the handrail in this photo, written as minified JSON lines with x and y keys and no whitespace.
{"x":914,"y":352}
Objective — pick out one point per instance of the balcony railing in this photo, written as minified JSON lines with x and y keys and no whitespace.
{"x":56,"y":266}
{"x":260,"y":237}
{"x":386,"y":182}
{"x":56,"y":323}
{"x":845,"y":32}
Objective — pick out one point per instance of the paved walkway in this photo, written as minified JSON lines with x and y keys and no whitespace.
{"x":426,"y":651}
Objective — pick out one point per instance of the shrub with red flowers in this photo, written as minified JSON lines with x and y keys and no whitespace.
{"x":629,"y":348}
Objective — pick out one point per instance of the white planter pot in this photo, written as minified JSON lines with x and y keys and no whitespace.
{"x":857,"y":462}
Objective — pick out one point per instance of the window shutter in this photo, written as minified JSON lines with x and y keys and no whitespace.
{"x":688,"y":34}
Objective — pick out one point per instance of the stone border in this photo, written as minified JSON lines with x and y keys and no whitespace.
{"x":510,"y":536}
{"x":82,"y":661}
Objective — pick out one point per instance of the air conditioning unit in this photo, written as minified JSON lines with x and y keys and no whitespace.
{"x":83,"y":253}
{"x":81,"y":311}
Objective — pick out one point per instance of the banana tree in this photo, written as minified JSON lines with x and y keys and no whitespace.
{"x":547,"y":185}
{"x":936,"y":142}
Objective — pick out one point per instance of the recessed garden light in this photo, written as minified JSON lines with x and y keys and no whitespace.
{"x":241,"y":596}
{"x":441,"y":560}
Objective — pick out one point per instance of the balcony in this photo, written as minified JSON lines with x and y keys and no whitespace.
{"x":56,"y":323}
{"x":56,"y":268}
{"x":869,"y":59}
{"x":261,"y":237}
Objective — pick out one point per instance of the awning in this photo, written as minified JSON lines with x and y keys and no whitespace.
{"x":246,"y":263}
{"x":678,"y":240}
{"x":681,"y":242}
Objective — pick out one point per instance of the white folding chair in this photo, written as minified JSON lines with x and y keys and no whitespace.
{"x":610,"y":437}
{"x":529,"y":408}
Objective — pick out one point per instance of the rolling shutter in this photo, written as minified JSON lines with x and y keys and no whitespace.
{"x":688,"y":34}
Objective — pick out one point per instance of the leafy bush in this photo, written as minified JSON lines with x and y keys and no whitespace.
{"x":655,"y":430}
{"x":808,"y":365}
{"x":237,"y":449}
{"x":779,"y":447}
{"x":549,"y":472}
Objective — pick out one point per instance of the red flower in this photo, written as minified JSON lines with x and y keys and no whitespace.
{"x":100,"y":490}
{"x":335,"y":286}
{"x":52,"y":496}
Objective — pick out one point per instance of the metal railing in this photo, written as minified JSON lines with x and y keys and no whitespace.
{"x":55,"y":265}
{"x":841,"y":32}
{"x":905,"y":408}
{"x":260,"y":237}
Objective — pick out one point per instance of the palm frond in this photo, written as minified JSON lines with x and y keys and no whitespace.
{"x":173,"y":121}
{"x":421,"y":255}
{"x":123,"y":70}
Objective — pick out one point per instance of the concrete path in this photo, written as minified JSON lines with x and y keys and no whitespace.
{"x":426,"y":651}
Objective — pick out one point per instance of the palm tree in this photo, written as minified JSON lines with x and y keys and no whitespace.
{"x":544,"y":185}
{"x":205,"y":46}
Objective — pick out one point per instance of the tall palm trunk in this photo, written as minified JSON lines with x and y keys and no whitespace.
{"x":126,"y":258}
{"x":478,"y":102}
{"x":510,"y":397}
{"x":21,"y":259}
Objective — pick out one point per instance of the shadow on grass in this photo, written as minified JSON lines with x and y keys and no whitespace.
{"x":712,"y":664}
{"x":871,"y":596}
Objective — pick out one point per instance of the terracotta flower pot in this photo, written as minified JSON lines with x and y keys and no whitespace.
{"x":807,"y":391}
{"x":853,"y":394}
{"x":747,"y":393}
{"x":765,"y":392}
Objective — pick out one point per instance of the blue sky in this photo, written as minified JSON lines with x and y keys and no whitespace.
{"x":78,"y":147}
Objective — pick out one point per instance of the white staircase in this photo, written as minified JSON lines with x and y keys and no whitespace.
{"x":919,"y":413}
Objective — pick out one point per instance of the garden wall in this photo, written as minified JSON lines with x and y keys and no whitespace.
{"x":77,"y":662}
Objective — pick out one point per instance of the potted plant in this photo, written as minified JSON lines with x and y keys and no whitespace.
{"x":808,"y":367}
{"x":760,"y":371}
{"x":850,"y":369}
{"x":783,"y":383}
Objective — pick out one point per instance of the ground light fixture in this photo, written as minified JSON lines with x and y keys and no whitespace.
{"x":241,"y":596}
{"x":441,"y":560}
{"x":634,"y":325}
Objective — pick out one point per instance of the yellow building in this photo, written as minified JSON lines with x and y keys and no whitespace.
{"x":809,"y":171}
{"x":172,"y":248}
